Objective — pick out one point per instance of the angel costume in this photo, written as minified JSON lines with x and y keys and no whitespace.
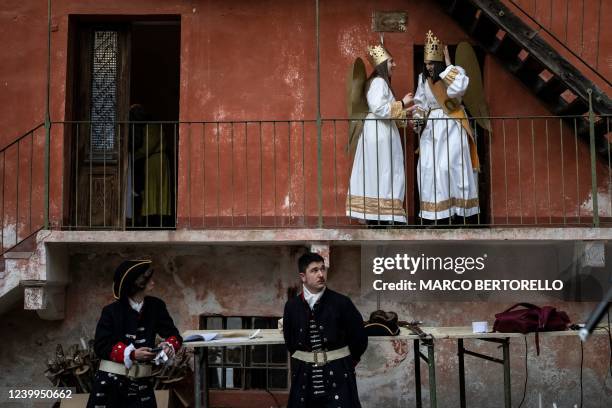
{"x":377,"y":184}
{"x":446,"y":170}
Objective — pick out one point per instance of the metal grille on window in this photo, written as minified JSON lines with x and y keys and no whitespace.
{"x":246,"y":367}
{"x":104,"y":93}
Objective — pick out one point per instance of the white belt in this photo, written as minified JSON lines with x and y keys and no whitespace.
{"x":320,"y":358}
{"x":136,"y":371}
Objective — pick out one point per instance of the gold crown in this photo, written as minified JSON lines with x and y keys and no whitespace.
{"x":377,"y":55}
{"x":433,"y":48}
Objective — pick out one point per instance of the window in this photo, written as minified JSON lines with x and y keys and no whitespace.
{"x":104,"y":91}
{"x":246,"y":367}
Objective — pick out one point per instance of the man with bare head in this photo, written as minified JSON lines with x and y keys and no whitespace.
{"x":325,"y":335}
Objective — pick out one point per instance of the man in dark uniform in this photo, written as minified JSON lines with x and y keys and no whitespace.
{"x":125,"y":338}
{"x":325,"y":335}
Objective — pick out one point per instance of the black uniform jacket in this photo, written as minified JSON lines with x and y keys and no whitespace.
{"x":340,"y":324}
{"x":120,"y":323}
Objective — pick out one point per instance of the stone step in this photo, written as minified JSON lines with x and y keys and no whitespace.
{"x":17,"y":255}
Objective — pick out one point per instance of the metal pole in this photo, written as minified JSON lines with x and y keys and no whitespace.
{"x":507,"y":379}
{"x":432,"y":374}
{"x":48,"y":117}
{"x":461,"y":374}
{"x":593,"y":160}
{"x":197,"y":383}
{"x":204,"y":376}
{"x":200,"y":386}
{"x":417,"y":373}
{"x":319,"y":140}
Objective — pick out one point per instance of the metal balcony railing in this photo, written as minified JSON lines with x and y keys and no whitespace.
{"x":534,"y":171}
{"x":539,"y":171}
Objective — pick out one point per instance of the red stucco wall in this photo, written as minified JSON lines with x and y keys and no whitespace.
{"x":247,"y":60}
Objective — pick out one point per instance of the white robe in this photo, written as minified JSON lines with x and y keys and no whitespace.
{"x":377,"y":185}
{"x":447,"y":182}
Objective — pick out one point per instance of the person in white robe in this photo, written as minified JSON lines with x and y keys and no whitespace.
{"x":448,"y":162}
{"x":377,"y":184}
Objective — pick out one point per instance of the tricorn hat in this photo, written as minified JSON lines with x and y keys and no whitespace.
{"x":382,"y":323}
{"x":126,"y":274}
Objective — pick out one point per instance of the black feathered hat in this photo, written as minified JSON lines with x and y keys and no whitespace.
{"x":126,"y":274}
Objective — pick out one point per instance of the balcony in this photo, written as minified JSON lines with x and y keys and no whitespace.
{"x":534,"y":172}
{"x":286,"y":183}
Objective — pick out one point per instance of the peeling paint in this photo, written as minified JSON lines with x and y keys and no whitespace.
{"x":291,"y":73}
{"x":9,"y":233}
{"x":349,"y":42}
{"x":196,"y":306}
{"x":252,"y":280}
{"x":604,"y":204}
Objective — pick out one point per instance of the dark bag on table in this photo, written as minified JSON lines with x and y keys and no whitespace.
{"x":530,"y":319}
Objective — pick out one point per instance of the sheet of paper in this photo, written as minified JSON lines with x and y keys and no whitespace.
{"x":201,"y":337}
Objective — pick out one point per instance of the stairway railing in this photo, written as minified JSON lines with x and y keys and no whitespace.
{"x":562,"y":43}
{"x":22,"y":176}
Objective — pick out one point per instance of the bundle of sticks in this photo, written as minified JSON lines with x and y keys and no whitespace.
{"x":76,"y":368}
{"x":174,"y":371}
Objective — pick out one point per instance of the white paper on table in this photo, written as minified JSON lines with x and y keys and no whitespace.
{"x":230,"y":340}
{"x":217,"y":337}
{"x":201,"y":337}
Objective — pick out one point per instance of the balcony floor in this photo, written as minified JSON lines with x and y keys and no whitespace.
{"x":336,"y":236}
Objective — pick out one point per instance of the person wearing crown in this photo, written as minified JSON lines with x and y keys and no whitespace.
{"x":377,"y":183}
{"x":448,"y":162}
{"x":125,"y":340}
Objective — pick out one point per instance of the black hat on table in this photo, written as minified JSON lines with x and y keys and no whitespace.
{"x":382,"y":323}
{"x":126,"y":274}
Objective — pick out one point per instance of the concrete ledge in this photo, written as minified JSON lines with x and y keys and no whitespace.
{"x":47,"y":298}
{"x":335,"y":236}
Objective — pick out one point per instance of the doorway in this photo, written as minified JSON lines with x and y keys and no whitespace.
{"x":124,"y":133}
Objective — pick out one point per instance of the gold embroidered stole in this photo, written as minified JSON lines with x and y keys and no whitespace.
{"x":452,"y":107}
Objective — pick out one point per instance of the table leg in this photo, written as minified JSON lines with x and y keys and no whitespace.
{"x":505,"y":361}
{"x":461,"y":354}
{"x":417,"y":373}
{"x":432,"y":374}
{"x":507,"y":380}
{"x":197,"y":383}
{"x":204,"y":377}
{"x":200,"y":385}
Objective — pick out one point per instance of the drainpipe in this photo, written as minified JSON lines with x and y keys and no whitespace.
{"x":319,"y":141}
{"x":48,"y":117}
{"x":593,"y":159}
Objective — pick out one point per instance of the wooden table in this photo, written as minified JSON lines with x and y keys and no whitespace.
{"x":200,"y":355}
{"x":274,"y":336}
{"x":460,"y":334}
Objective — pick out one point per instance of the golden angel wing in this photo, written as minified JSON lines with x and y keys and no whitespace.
{"x":356,"y":103}
{"x":474,"y":98}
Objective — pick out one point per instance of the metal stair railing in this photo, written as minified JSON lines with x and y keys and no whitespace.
{"x":22,"y":176}
{"x":560,"y":42}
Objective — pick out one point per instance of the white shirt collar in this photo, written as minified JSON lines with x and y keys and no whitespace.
{"x":137,"y":306}
{"x":311,"y":298}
